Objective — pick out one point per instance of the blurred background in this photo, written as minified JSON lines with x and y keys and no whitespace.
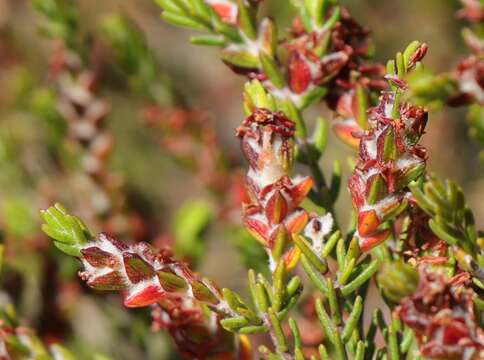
{"x":157,"y":187}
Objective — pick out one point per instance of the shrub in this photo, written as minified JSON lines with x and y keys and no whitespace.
{"x":412,"y":237}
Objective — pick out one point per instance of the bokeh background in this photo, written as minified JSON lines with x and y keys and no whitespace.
{"x":43,"y":286}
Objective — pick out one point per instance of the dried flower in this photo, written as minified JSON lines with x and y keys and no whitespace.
{"x":198,"y":335}
{"x":317,"y":229}
{"x":470,"y":80}
{"x":441,"y":312}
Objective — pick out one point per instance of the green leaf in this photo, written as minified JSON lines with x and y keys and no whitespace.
{"x":279,"y":281}
{"x":363,"y":277}
{"x":360,"y":351}
{"x":209,"y":40}
{"x":330,"y":330}
{"x":268,"y":36}
{"x":68,"y":231}
{"x":318,"y":263}
{"x":443,"y":232}
{"x":170,"y":6}
{"x":233,"y":324}
{"x":295,"y":333}
{"x":279,"y":337}
{"x":451,"y":219}
{"x":202,"y":9}
{"x":430,"y":90}
{"x":401,"y":69}
{"x":320,"y":135}
{"x":409,"y":51}
{"x":331,"y":22}
{"x":271,"y":69}
{"x":257,"y":95}
{"x":240,"y":58}
{"x":181,"y":20}
{"x":330,"y":244}
{"x":353,"y":319}
{"x":316,"y":278}
{"x":334,"y":304}
{"x":247,"y":19}
{"x":362,"y":102}
{"x":230,"y":32}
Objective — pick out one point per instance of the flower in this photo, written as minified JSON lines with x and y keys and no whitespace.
{"x":389,"y":157}
{"x":470,"y":79}
{"x":317,"y":229}
{"x":273,"y":211}
{"x":145,"y":275}
{"x":441,"y":313}
{"x":198,"y":335}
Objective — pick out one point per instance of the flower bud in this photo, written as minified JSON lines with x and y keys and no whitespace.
{"x":397,"y":280}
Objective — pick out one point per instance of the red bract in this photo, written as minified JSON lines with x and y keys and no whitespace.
{"x":441,"y":312}
{"x":273,"y":210}
{"x":227,"y":10}
{"x":300,"y":76}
